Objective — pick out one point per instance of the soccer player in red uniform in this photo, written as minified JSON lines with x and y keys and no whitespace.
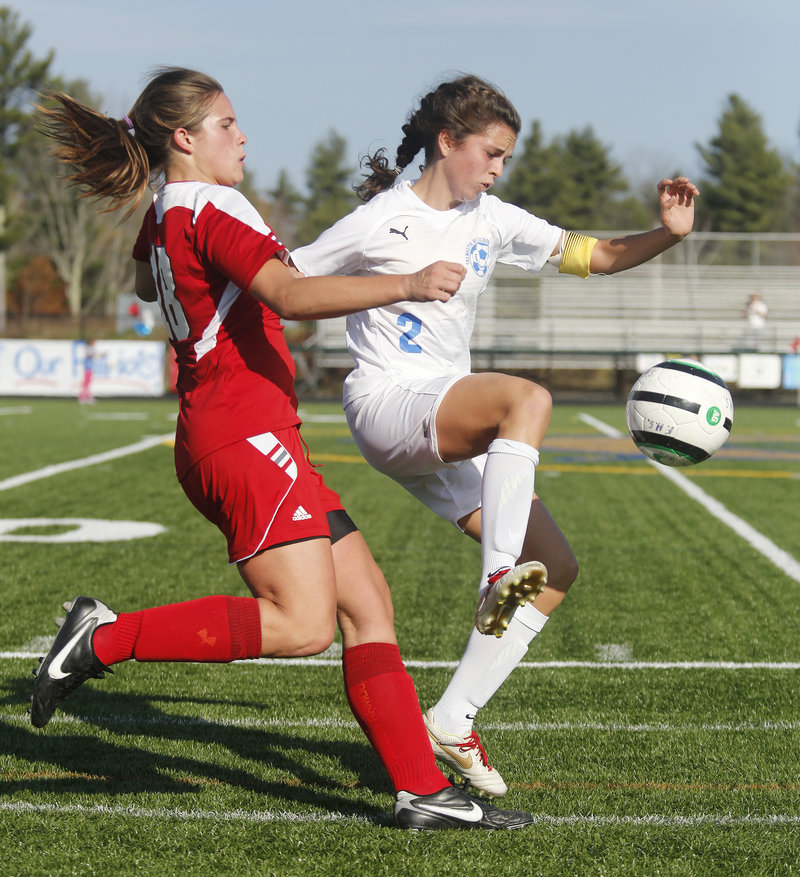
{"x":224,"y":282}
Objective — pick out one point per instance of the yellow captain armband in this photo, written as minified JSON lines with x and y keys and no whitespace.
{"x":576,"y":254}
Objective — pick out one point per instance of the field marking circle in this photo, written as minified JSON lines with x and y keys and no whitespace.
{"x":80,"y":530}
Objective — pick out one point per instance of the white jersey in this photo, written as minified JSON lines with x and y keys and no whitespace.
{"x":397,"y":233}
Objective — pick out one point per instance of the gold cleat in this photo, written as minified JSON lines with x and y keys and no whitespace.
{"x":508,"y":589}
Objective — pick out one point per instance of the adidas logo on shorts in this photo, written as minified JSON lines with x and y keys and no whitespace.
{"x":300,"y":514}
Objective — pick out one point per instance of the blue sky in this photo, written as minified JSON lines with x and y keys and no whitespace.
{"x":650,"y":78}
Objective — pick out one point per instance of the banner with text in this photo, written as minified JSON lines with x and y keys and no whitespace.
{"x":64,"y":368}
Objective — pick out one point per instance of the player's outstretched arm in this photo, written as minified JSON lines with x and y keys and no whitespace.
{"x":296,"y":297}
{"x":677,"y":219}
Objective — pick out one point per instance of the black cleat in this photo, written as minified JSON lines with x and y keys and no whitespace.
{"x":71,"y":659}
{"x":451,"y":807}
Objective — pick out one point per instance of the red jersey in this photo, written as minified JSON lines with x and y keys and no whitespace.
{"x":205,"y":245}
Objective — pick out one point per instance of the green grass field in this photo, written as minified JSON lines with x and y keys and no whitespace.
{"x":652,"y":729}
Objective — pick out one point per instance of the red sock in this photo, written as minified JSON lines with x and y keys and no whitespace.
{"x":211,"y":629}
{"x":383,"y":699}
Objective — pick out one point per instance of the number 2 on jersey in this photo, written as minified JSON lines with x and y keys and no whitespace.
{"x":407,"y":344}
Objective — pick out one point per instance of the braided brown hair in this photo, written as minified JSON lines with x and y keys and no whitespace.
{"x":115,"y":159}
{"x":463,"y":106}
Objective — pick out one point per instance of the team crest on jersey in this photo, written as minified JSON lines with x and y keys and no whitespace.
{"x":478,"y":255}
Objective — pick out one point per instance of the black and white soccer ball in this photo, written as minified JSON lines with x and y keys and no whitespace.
{"x":679,"y":413}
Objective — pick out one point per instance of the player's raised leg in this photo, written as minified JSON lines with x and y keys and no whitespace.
{"x":506,"y":418}
{"x":488,"y":661}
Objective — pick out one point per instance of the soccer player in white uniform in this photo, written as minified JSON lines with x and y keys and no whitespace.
{"x":466,"y":445}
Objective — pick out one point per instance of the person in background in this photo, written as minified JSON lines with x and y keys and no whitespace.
{"x":85,"y":395}
{"x":755,"y":312}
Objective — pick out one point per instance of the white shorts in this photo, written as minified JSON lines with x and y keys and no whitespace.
{"x":395,"y":429}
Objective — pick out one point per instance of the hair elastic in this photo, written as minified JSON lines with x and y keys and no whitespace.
{"x":129,"y":122}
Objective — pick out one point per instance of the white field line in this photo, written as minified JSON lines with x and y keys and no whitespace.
{"x":308,"y":417}
{"x":663,"y":820}
{"x":283,"y":724}
{"x":119,"y":415}
{"x":56,"y":469}
{"x":782,"y":559}
{"x":770,"y":666}
{"x":162,"y":813}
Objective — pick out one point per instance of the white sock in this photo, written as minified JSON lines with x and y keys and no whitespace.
{"x":485,"y":665}
{"x":506,"y":497}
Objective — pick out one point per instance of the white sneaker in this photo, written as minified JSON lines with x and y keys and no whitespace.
{"x":466,"y":757}
{"x":507,"y":590}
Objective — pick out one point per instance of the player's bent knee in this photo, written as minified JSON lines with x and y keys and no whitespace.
{"x":538,"y":400}
{"x":304,"y":642}
{"x":562,"y":574}
{"x":315,"y":646}
{"x":530,"y":403}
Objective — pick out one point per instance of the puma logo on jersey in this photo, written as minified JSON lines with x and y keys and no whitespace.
{"x":300,"y":514}
{"x":401,"y":233}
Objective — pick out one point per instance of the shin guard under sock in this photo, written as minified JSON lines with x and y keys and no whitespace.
{"x":506,"y":497}
{"x":212,"y":629}
{"x":383,"y":699}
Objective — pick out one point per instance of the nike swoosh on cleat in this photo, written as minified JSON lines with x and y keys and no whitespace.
{"x":466,"y":763}
{"x":474,"y":814}
{"x":54,"y":670}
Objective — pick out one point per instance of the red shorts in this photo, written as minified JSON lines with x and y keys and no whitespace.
{"x":262,"y":492}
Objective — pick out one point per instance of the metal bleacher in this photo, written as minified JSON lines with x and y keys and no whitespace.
{"x":687,"y":302}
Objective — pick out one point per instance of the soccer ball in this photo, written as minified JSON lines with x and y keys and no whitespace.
{"x":679,"y":413}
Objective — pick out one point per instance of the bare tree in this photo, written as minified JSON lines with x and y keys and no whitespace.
{"x":90,"y":249}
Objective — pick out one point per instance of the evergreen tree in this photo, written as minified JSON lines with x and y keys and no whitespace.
{"x":572,"y":182}
{"x":589,"y":182}
{"x":21,"y":77}
{"x":331,"y":195}
{"x":793,"y":204}
{"x":285,"y":209}
{"x":746,"y":184}
{"x":248,"y":187}
{"x":531,"y":183}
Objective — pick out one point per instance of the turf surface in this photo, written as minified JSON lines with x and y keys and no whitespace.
{"x":652,"y":728}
